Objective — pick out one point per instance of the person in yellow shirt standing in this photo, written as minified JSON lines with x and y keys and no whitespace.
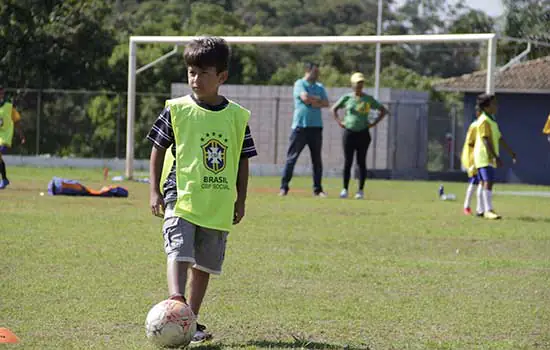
{"x":546,"y":129}
{"x":9,"y":122}
{"x":467,"y":159}
{"x":487,"y":150}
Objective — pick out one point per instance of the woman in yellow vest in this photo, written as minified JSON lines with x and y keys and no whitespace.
{"x":9,"y":122}
{"x":487,"y":150}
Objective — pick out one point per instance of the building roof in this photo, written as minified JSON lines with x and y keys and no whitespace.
{"x":530,"y":77}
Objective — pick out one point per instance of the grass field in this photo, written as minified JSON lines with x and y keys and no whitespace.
{"x":399,"y":270}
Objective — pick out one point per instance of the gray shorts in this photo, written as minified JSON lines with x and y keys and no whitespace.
{"x":204,"y":248}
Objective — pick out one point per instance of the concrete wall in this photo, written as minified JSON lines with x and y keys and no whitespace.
{"x":521,"y":118}
{"x":398,"y":137}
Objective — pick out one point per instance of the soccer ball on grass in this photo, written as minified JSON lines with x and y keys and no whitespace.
{"x":170,"y":323}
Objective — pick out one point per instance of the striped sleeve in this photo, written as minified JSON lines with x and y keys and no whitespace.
{"x":162,"y":133}
{"x":249,"y":149}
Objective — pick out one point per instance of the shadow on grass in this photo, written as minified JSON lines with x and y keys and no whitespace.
{"x":300,"y":344}
{"x":533,"y":219}
{"x":268,"y":344}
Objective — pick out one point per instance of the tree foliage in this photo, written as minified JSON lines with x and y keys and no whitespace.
{"x":83,"y":44}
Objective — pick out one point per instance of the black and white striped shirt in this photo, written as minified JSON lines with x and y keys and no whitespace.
{"x":162,"y":136}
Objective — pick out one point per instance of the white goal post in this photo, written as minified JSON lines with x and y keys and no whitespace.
{"x":490,"y":38}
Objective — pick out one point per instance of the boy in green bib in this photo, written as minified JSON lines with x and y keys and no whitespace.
{"x":201,"y":145}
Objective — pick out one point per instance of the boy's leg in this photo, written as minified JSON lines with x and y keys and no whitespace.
{"x":210,"y":254}
{"x":296,"y":146}
{"x":480,"y":205}
{"x":4,"y":181}
{"x":179,"y":240}
{"x":487,"y":176}
{"x":470,"y":192}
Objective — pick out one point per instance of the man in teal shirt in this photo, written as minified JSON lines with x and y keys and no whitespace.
{"x":307,"y":127}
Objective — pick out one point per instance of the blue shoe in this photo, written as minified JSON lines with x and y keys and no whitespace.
{"x":4,"y":184}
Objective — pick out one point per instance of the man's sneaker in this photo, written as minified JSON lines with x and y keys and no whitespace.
{"x":4,"y":183}
{"x":360,"y":195}
{"x":344,"y":193}
{"x":283,"y":192}
{"x":479,"y":214}
{"x":491,"y":215}
{"x":320,"y":194}
{"x":201,"y":335}
{"x":467,"y":211}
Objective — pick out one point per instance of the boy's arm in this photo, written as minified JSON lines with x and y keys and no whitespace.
{"x":489,"y":145}
{"x":155,"y":171}
{"x":242,"y":189}
{"x":16,"y":117}
{"x":508,"y":148}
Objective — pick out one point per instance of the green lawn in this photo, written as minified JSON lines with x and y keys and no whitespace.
{"x":399,"y":270}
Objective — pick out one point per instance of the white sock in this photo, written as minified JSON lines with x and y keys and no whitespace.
{"x":469,"y":193}
{"x":480,"y":204}
{"x":488,"y":197}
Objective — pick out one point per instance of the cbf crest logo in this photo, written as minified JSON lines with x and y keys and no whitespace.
{"x":214,"y":152}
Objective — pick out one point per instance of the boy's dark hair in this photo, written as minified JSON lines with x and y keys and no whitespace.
{"x":208,"y":52}
{"x":310,"y":65}
{"x":484,"y":100}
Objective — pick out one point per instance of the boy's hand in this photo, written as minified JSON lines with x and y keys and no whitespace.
{"x":23,"y":139}
{"x":514,"y":158}
{"x":239,"y":212}
{"x":157,"y":204}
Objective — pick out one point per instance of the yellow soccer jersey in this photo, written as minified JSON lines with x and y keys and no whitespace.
{"x":546,"y":129}
{"x":467,"y":157}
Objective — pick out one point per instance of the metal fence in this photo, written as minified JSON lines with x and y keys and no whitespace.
{"x":92,"y":124}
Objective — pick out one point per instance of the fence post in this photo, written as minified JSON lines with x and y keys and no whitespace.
{"x":276,"y":131}
{"x":394,"y":136}
{"x":38,"y":113}
{"x":374,"y":141}
{"x":117,"y":147}
{"x":418,"y":137}
{"x":453,"y":140}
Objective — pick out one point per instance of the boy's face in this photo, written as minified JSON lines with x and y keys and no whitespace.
{"x":493,"y":106}
{"x":205,"y":81}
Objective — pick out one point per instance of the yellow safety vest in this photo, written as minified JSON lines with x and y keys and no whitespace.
{"x":482,"y":158}
{"x":6,"y":124}
{"x":208,"y":151}
{"x":467,"y":157}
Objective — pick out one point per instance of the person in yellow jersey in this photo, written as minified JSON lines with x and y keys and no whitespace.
{"x":9,"y":123}
{"x":467,"y":159}
{"x":546,"y":129}
{"x":199,"y":173}
{"x":487,"y":150}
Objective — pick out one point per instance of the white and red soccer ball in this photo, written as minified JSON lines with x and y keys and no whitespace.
{"x":170,"y":323}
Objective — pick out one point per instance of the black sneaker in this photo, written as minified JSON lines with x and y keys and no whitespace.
{"x":201,"y":335}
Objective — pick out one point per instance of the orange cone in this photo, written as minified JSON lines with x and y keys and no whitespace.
{"x":7,"y":336}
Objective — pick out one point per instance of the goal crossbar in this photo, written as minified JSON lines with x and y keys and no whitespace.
{"x":490,"y":38}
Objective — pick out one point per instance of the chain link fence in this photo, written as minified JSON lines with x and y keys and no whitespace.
{"x":92,"y":124}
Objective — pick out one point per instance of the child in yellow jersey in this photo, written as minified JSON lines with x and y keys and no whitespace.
{"x":9,"y":123}
{"x":487,"y":150}
{"x":546,"y":129}
{"x":467,"y":160}
{"x":202,"y":143}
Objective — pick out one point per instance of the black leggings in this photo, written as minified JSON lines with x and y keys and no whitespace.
{"x":356,"y":142}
